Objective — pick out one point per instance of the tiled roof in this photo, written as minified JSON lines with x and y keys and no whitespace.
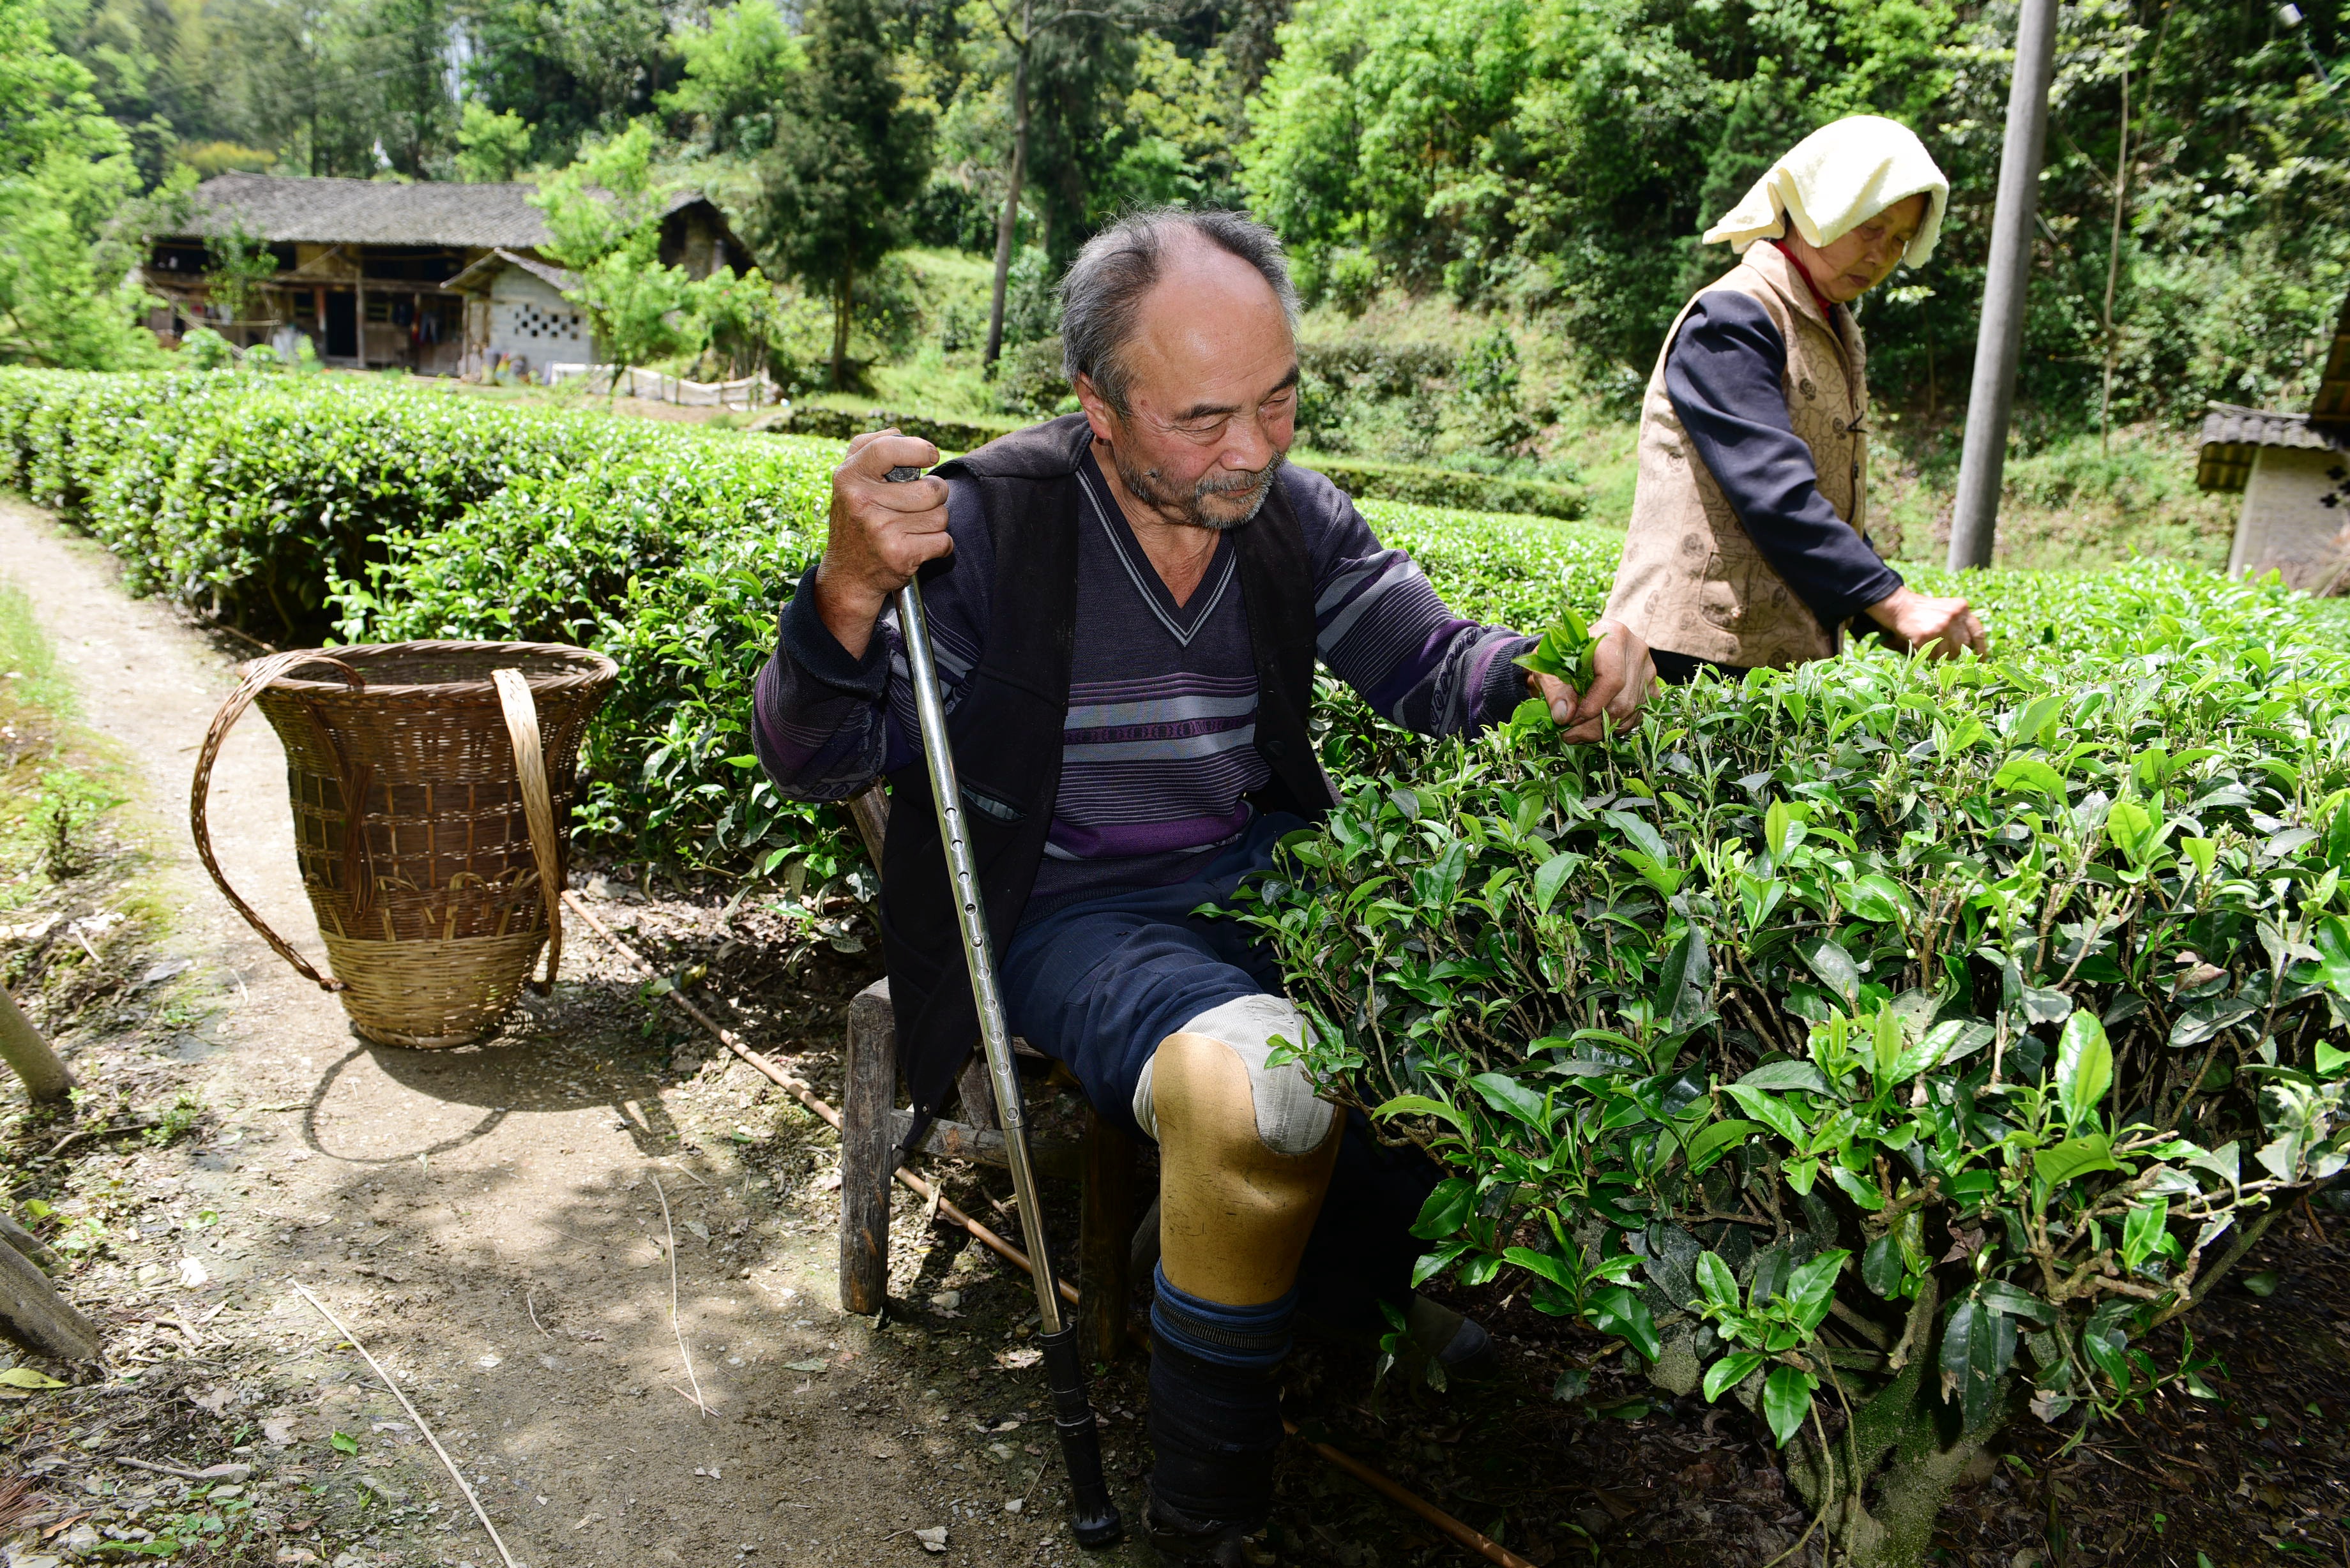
{"x":479,"y":275}
{"x":276,"y":208}
{"x":2233,"y":435}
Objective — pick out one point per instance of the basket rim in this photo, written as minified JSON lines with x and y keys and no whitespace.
{"x":589,"y":666}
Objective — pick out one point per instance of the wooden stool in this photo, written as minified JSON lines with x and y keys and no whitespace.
{"x":873,"y":1123}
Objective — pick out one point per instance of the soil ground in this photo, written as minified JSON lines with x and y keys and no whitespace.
{"x":490,"y":1222}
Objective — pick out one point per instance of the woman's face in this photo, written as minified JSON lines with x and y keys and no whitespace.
{"x":1865,"y":256}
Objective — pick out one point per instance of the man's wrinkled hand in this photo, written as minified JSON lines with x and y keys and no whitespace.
{"x":880,"y":532}
{"x":1938,"y":628}
{"x":1623,"y":676}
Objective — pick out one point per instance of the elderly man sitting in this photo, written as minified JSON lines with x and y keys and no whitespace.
{"x":1127,"y":605}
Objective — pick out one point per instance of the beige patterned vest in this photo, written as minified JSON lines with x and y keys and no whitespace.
{"x":1691,"y":579}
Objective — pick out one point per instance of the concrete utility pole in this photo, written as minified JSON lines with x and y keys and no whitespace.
{"x":2000,"y":341}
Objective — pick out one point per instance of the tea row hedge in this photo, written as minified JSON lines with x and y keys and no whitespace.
{"x":1898,"y":1045}
{"x":361,"y":510}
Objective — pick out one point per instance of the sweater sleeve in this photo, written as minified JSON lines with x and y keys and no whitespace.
{"x":1380,"y":628}
{"x":1724,"y":378}
{"x":823,"y":724}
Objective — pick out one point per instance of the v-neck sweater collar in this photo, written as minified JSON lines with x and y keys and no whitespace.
{"x":1183,"y":621}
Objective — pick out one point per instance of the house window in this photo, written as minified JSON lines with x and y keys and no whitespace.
{"x":378,"y":308}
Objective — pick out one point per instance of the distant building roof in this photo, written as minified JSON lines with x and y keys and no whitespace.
{"x":479,"y":275}
{"x":2232,"y":436}
{"x":281,"y":208}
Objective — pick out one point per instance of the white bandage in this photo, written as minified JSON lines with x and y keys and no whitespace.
{"x":1289,"y":1119}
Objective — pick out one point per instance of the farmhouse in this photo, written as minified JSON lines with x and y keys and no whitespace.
{"x":440,"y":279}
{"x":2295,"y":473}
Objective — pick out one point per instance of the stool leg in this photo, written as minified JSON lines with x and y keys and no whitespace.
{"x":866,"y":1155}
{"x":978,"y":1093}
{"x":1105,"y":1237}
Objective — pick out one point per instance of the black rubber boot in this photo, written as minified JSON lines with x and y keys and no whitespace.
{"x":1460,"y":1345}
{"x":1179,"y":1539}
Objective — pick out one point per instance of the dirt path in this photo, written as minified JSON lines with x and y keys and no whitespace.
{"x":488,"y":1221}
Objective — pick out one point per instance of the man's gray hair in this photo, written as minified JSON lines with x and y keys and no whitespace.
{"x":1102,"y":292}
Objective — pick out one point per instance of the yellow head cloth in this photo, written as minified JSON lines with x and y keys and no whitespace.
{"x":1835,"y":179}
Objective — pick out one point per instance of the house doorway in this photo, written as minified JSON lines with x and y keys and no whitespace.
{"x":342,"y":325}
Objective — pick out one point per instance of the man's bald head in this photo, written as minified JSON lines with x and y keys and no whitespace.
{"x":1105,"y":291}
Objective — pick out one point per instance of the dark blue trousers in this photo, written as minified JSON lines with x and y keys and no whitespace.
{"x":1097,"y":984}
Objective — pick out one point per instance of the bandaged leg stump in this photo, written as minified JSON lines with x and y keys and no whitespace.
{"x":1245,"y":1156}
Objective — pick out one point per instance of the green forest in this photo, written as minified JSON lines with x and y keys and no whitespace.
{"x":1493,"y":204}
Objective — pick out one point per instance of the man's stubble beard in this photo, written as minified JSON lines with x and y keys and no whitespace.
{"x":1146,"y":486}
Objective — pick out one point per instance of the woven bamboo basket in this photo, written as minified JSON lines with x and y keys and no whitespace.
{"x":457,"y":761}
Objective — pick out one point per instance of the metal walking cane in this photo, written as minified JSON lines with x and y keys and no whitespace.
{"x":1093,"y":1518}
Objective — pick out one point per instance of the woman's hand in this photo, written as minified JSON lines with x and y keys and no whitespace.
{"x":1938,"y":628}
{"x":1622,"y":677}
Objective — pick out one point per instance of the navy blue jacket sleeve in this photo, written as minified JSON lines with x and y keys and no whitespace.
{"x":1723,"y":377}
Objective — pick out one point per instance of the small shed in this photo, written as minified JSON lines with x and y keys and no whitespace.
{"x":2294,"y":469}
{"x":516,"y":312}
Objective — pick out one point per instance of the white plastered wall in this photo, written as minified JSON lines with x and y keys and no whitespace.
{"x":530,"y":317}
{"x":2286,"y":524}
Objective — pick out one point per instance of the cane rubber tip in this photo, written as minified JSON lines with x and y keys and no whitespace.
{"x":1104,"y":1530}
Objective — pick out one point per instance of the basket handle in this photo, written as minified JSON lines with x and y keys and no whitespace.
{"x":537,"y":809}
{"x":257,"y":679}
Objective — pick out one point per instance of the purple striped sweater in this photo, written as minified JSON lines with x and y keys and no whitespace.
{"x":1158,"y":750}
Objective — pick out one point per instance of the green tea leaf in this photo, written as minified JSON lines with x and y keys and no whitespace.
{"x":1787,"y":1075}
{"x":1770,"y":1110}
{"x":1511,"y":1099}
{"x":2029,"y":775}
{"x":2074,"y":1156}
{"x":1717,"y":1140}
{"x":1836,"y":966}
{"x":1617,"y":1310}
{"x":1977,"y":1347}
{"x":2002,"y":1297}
{"x":1786,"y":1400}
{"x":2084,"y":1067}
{"x":1551,"y":877}
{"x":1882,"y":1268}
{"x":1731,"y":1371}
{"x":1810,"y":1287}
{"x":2142,"y":1230}
{"x":1685,"y":983}
{"x":2331,"y":937}
{"x":1714,"y":1278}
{"x":1421,"y":1106}
{"x":1447,"y":1208}
{"x":1546,"y":1265}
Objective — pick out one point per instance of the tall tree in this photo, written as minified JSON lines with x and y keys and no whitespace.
{"x":1053,"y":45}
{"x":738,"y":72}
{"x":64,"y":168}
{"x":603,"y":219}
{"x":838,"y":187}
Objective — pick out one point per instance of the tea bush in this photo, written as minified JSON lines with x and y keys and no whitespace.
{"x":385,"y":513}
{"x":1889,"y":1043}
